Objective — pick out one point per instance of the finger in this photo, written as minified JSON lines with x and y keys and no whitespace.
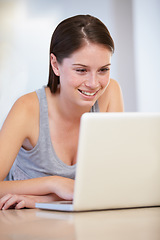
{"x":20,"y":205}
{"x":4,"y":199}
{"x":11,"y":202}
{"x":25,"y":201}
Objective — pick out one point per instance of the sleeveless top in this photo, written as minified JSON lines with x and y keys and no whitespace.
{"x":42,"y":160}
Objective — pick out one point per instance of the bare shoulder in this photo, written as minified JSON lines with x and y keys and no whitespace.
{"x":28,"y":104}
{"x":113,"y":89}
{"x":23,"y":113}
{"x":112,"y":99}
{"x":25,"y":108}
{"x":114,"y":84}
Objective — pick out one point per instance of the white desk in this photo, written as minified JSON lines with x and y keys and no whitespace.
{"x":137,"y":224}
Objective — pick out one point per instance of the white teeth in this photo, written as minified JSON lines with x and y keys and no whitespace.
{"x":88,"y":94}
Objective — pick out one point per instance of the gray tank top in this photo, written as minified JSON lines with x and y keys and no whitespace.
{"x":42,"y":160}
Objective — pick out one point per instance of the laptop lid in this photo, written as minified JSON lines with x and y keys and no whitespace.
{"x":118,"y":161}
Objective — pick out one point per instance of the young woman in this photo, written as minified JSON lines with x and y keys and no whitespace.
{"x":38,"y":141}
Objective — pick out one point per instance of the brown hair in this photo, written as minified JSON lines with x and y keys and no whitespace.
{"x":71,"y":34}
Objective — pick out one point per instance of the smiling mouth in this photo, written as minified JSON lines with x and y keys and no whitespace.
{"x":88,"y":93}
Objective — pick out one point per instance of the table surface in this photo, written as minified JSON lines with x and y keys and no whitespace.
{"x":137,"y":224}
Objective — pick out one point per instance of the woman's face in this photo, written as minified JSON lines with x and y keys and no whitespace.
{"x":85,"y":75}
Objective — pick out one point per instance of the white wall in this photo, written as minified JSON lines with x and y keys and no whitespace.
{"x":146,"y":16}
{"x":25,"y":31}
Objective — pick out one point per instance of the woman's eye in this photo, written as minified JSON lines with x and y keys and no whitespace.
{"x":103,"y":70}
{"x":82,"y":70}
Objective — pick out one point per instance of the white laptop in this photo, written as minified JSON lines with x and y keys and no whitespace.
{"x":118,"y":163}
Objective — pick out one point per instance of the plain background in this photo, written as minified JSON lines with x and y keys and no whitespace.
{"x":26,"y":27}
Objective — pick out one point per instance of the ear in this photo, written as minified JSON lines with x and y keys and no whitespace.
{"x":54,"y":64}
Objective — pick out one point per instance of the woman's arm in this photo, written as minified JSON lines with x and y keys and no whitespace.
{"x":62,"y":188}
{"x":21,"y":123}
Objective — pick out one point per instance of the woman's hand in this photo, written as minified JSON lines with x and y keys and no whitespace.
{"x":62,"y":187}
{"x":16,"y":201}
{"x":22,"y":201}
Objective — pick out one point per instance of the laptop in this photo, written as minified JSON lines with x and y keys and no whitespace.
{"x":118,"y":163}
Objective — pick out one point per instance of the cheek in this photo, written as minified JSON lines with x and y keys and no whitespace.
{"x":75,"y":80}
{"x":67,"y":78}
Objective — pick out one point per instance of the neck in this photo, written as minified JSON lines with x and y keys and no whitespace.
{"x":70,"y":111}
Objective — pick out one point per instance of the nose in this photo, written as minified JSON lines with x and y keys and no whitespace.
{"x":92,"y":81}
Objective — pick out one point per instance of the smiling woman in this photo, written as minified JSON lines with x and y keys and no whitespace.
{"x":40,"y":165}
{"x":84,"y":72}
{"x":79,"y":31}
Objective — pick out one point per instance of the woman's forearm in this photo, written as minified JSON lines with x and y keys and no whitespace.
{"x":62,"y":187}
{"x":34,"y":186}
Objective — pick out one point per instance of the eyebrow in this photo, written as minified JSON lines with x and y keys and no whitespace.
{"x":82,"y":65}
